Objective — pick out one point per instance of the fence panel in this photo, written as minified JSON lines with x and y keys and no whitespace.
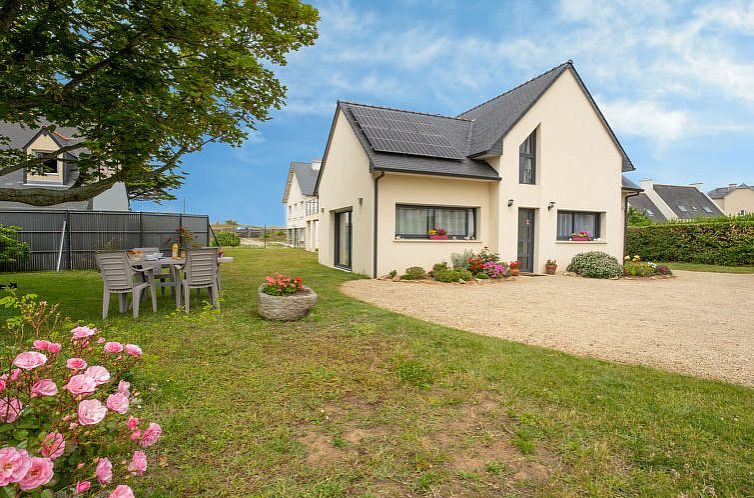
{"x":87,"y":232}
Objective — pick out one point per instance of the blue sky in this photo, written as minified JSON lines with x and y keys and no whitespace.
{"x":674,"y":79}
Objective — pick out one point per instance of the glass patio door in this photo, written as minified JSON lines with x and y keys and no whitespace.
{"x":343,"y":236}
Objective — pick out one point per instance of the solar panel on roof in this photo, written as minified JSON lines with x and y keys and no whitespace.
{"x":403,"y":133}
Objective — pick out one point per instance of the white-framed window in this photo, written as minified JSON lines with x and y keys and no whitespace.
{"x":415,"y":222}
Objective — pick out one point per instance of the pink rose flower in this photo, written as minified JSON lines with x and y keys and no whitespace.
{"x":123,"y":387}
{"x":53,"y":445}
{"x":91,"y":412}
{"x":132,"y":423}
{"x":98,"y":373}
{"x":113,"y":347}
{"x":83,"y":486}
{"x":30,"y":360}
{"x":135,"y":435}
{"x":122,"y":491}
{"x":133,"y":350}
{"x":14,"y":374}
{"x":54,"y":347}
{"x":151,"y":435}
{"x":41,"y":345}
{"x":75,"y":364}
{"x":44,"y":387}
{"x":14,"y":464}
{"x":10,"y":409}
{"x":39,"y":474}
{"x":138,"y":463}
{"x":81,"y":384}
{"x":3,"y":382}
{"x":101,"y":340}
{"x":104,"y":471}
{"x":82,"y":333}
{"x":118,"y":402}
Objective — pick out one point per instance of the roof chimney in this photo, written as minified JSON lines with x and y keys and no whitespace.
{"x":732,"y":187}
{"x":316,"y":164}
{"x":647,"y":183}
{"x":697,"y":185}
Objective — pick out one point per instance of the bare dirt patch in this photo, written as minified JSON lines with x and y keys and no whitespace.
{"x":698,"y":323}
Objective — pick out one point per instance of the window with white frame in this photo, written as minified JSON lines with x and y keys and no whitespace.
{"x":415,"y":222}
{"x":575,"y":222}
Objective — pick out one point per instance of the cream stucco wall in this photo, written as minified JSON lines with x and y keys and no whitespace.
{"x":396,"y":188}
{"x":346,"y":183}
{"x":738,"y":200}
{"x":44,"y":143}
{"x":578,"y":168}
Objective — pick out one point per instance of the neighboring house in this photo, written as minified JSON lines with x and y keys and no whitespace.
{"x":734,"y":199}
{"x":673,"y":202}
{"x":518,"y":174}
{"x":58,"y":173}
{"x":302,"y":205}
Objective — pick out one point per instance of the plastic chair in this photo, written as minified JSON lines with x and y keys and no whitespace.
{"x":201,"y":272}
{"x":118,"y":278}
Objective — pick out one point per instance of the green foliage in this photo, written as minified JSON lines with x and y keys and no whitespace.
{"x":144,"y":82}
{"x":12,"y":249}
{"x":720,"y":241}
{"x":595,"y":264}
{"x":414,"y":273}
{"x":453,"y":275}
{"x":415,"y":373}
{"x":392,"y":273}
{"x":461,"y":260}
{"x":226,"y":239}
{"x":440,"y":266}
{"x":483,"y":276}
{"x":637,"y":218}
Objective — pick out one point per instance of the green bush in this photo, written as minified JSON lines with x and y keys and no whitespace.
{"x":227,"y":239}
{"x":414,"y":273}
{"x":461,"y":260}
{"x":482,"y":276}
{"x":453,"y":275}
{"x":12,"y":249}
{"x":717,"y":241}
{"x":440,"y":266}
{"x":595,"y":264}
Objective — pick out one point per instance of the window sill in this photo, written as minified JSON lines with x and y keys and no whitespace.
{"x":581,"y":242}
{"x":441,"y":241}
{"x":45,"y":183}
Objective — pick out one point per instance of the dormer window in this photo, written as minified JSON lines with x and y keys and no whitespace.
{"x":49,"y":170}
{"x":527,"y":160}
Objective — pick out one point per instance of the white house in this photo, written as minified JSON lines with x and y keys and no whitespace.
{"x":661,"y":202}
{"x":59,"y":172}
{"x":302,"y":205}
{"x":519,"y":174}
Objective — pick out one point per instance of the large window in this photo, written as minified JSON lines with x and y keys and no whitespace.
{"x":50,"y":170}
{"x":527,"y":160}
{"x":415,"y":222}
{"x":570,"y":222}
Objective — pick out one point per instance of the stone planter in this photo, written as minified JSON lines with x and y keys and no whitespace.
{"x":286,"y":308}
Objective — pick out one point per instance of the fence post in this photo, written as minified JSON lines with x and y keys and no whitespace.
{"x":141,"y":229}
{"x":68,"y":229}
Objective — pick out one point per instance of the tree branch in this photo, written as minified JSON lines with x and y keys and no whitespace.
{"x":41,"y":196}
{"x":39,"y":160}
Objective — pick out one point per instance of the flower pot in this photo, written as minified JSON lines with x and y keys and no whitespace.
{"x":550,"y":269}
{"x":286,"y":308}
{"x":580,"y":239}
{"x":438,"y":237}
{"x":515,"y":272}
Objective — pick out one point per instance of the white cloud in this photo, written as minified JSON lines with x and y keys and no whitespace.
{"x":646,"y":119}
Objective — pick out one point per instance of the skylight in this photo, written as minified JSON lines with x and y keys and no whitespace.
{"x":650,"y":212}
{"x":694,"y":208}
{"x":682,"y":208}
{"x":706,"y":209}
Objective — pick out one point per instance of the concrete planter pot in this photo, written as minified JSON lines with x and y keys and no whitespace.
{"x":286,"y":308}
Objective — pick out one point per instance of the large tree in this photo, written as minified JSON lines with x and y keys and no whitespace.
{"x":144,"y":81}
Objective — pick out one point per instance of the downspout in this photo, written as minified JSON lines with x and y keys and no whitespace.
{"x":625,"y":221}
{"x":376,"y":219}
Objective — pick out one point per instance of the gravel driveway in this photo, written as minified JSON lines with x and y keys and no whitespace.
{"x":695,"y":323}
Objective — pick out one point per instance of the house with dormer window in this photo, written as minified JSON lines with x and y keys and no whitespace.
{"x":520,"y":174}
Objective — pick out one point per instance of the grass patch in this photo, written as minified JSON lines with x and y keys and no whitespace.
{"x":710,"y":268}
{"x":357,"y":401}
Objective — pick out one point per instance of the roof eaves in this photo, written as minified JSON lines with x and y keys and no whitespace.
{"x":436,"y":173}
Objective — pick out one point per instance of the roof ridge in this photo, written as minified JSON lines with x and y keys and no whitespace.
{"x":405,"y":110}
{"x":568,"y":62}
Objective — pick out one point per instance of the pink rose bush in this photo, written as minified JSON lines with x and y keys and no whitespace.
{"x":70,"y":404}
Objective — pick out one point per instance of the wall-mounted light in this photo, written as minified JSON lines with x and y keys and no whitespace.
{"x":322,"y":210}
{"x":361,"y":201}
{"x":510,"y":202}
{"x":551,"y":205}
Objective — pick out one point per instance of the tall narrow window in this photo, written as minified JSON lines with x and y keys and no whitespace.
{"x":527,"y":160}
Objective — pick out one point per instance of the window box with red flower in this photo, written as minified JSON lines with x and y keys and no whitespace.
{"x":438,"y":234}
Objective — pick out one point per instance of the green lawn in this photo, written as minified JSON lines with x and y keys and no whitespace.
{"x":710,"y":268}
{"x":357,"y":401}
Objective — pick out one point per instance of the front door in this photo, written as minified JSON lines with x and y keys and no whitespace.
{"x":343,"y":229}
{"x":526,"y":239}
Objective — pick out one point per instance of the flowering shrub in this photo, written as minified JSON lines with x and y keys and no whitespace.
{"x":635,"y":267}
{"x":280,"y":285}
{"x":495,"y":269}
{"x":514,"y":265}
{"x":595,"y":264}
{"x":477,"y":261}
{"x":63,"y":409}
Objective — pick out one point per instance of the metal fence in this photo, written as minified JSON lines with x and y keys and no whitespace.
{"x":69,"y":239}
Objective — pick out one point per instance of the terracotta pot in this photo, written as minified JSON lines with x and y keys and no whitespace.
{"x":286,"y":308}
{"x":515,"y":272}
{"x":550,"y":269}
{"x":438,"y":237}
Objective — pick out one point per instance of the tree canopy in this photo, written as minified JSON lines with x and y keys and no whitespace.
{"x":144,"y":81}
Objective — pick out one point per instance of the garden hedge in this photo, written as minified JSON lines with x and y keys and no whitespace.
{"x":227,"y":239}
{"x":720,"y":241}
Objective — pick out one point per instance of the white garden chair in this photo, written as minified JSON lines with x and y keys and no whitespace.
{"x":201,"y":272}
{"x":118,"y":277}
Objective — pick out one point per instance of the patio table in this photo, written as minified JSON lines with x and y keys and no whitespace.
{"x":150,"y":265}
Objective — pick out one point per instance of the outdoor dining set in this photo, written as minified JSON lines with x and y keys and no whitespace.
{"x":133,"y":272}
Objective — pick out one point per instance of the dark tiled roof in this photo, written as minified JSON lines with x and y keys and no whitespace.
{"x":496,"y":117}
{"x":721,"y":192}
{"x":19,"y":136}
{"x":644,"y":204}
{"x":306,"y":176}
{"x":456,"y":132}
{"x":690,"y":198}
{"x":628,"y":184}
